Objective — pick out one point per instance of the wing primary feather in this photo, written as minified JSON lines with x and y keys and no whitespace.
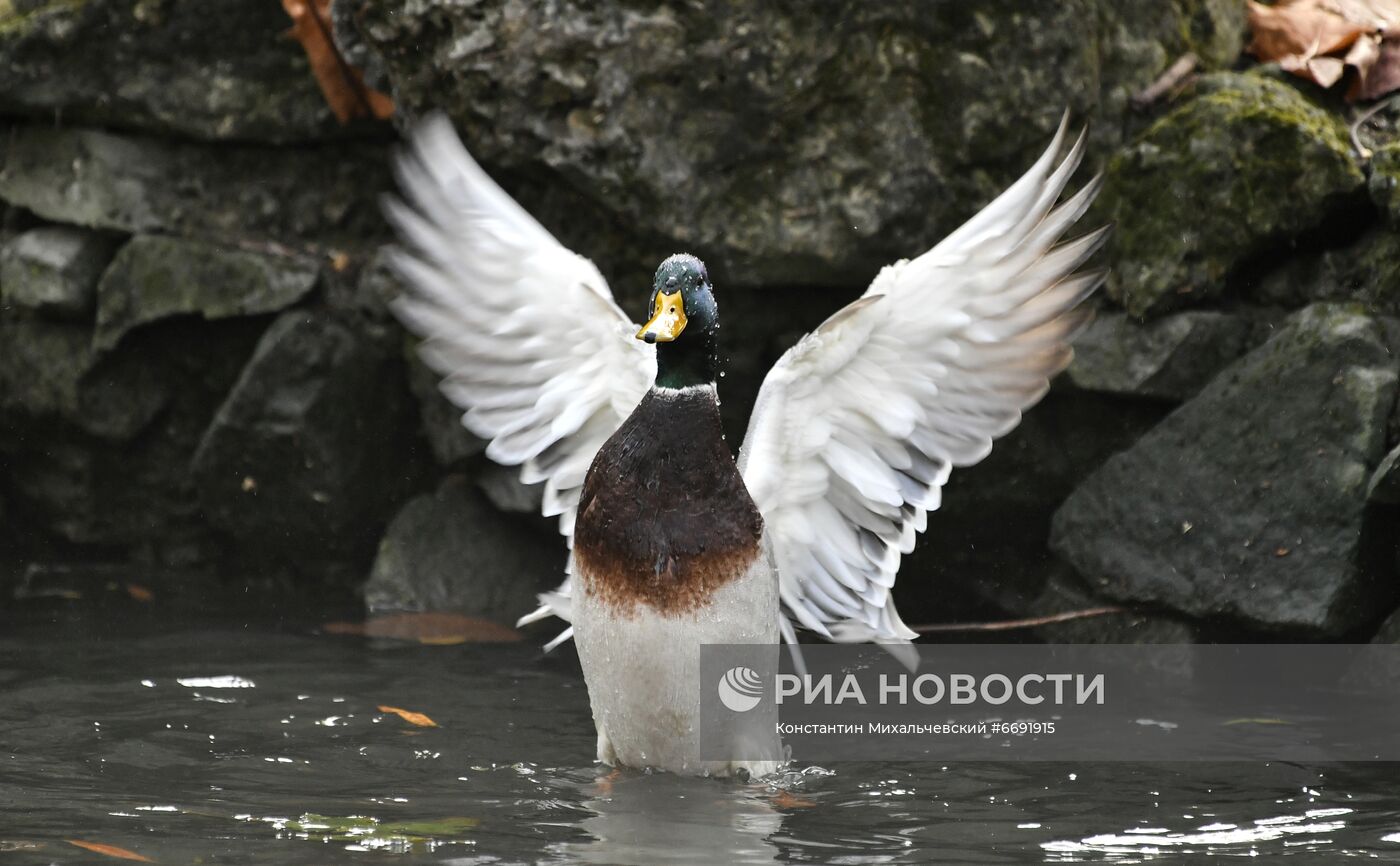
{"x":529,"y":342}
{"x":857,"y":427}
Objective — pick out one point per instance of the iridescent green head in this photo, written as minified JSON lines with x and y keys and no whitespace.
{"x":684,"y":319}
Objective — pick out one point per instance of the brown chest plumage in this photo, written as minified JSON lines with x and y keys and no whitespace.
{"x":664,"y":518}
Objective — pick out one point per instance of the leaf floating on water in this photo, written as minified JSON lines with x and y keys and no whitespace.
{"x":110,"y":851}
{"x":1321,"y":39}
{"x":410,"y":716}
{"x":140,"y":593}
{"x":341,"y":84}
{"x":431,"y":827}
{"x":788,"y":800}
{"x":1257,"y":722}
{"x":368,"y":830}
{"x":437,"y":629}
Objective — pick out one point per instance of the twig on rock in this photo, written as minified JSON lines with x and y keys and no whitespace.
{"x":1167,"y":81}
{"x":1009,"y":624}
{"x":1355,"y":129}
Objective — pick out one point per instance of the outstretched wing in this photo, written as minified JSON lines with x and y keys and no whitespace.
{"x":857,"y":427}
{"x":524,"y":332}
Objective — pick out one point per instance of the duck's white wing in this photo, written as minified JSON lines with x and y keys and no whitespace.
{"x":857,"y":427}
{"x":524,"y":332}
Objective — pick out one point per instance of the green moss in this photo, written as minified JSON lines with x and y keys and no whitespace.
{"x":1384,"y":182}
{"x":1246,"y":163}
{"x":18,"y":17}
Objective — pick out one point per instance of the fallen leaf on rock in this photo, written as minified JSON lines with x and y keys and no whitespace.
{"x":410,"y":716}
{"x":342,"y":85}
{"x":110,"y":850}
{"x":1321,"y":39}
{"x":427,"y":628}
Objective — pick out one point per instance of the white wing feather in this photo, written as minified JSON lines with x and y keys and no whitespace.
{"x":524,"y":332}
{"x":857,"y":426}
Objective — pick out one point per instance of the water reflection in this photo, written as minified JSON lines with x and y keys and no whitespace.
{"x":638,"y":819}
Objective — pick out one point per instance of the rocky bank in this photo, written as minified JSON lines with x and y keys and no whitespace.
{"x":198,"y":376}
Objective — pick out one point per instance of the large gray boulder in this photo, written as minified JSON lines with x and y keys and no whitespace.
{"x":781,"y":144}
{"x":157,"y":277}
{"x":449,"y":550}
{"x":306,"y":455}
{"x":1248,"y":501}
{"x":216,"y":69}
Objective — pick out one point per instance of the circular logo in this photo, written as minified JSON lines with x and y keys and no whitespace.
{"x":740,"y":689}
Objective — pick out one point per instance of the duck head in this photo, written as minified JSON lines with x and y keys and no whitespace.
{"x":684,"y":319}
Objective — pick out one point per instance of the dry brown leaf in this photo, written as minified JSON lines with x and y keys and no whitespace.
{"x":788,"y":800}
{"x":1321,"y":39}
{"x":410,"y":716}
{"x":342,"y":85}
{"x":140,"y":593}
{"x":110,"y":851}
{"x":1299,"y":29}
{"x":427,"y":628}
{"x":1326,"y":71}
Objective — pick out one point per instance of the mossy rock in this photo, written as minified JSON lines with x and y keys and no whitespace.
{"x":1246,"y":164}
{"x":1384,"y":183}
{"x":783,"y":144}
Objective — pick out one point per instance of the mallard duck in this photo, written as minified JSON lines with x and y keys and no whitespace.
{"x":674,"y":544}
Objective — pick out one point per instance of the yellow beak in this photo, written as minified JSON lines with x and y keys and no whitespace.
{"x":667,"y":320}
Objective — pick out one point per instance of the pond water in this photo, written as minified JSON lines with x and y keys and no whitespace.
{"x":223,"y":740}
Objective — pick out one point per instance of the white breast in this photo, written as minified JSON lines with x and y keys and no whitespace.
{"x":642,"y":667}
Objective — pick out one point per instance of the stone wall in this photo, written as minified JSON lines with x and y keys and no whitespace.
{"x":197,"y":372}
